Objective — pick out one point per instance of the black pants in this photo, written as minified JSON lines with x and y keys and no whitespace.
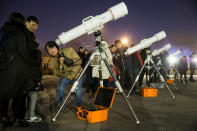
{"x":126,"y":78}
{"x":183,"y":74}
{"x":4,"y":107}
{"x":191,"y":74}
{"x":19,"y":106}
{"x":97,"y":84}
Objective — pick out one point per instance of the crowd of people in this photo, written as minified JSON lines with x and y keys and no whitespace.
{"x":20,"y":69}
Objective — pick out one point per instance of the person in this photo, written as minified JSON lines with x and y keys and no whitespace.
{"x":36,"y":75}
{"x":124,"y":65}
{"x":136,"y":65}
{"x":182,"y":68}
{"x":89,"y":80}
{"x":81,"y":52}
{"x":143,"y":54}
{"x":100,"y":72}
{"x":113,"y":51}
{"x":118,"y":60}
{"x":15,"y":70}
{"x":66,"y":64}
{"x":192,"y":66}
{"x":164,"y":62}
{"x":82,"y":55}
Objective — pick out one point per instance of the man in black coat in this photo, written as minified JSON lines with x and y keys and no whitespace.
{"x":15,"y":74}
{"x":36,"y":75}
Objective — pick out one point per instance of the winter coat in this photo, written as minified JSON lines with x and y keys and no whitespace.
{"x":14,"y":79}
{"x":182,"y":65}
{"x":102,"y":67}
{"x":136,"y":61}
{"x":120,"y":60}
{"x":69,"y":72}
{"x":144,"y":54}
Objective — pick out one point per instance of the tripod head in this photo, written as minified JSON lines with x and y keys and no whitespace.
{"x":100,"y":44}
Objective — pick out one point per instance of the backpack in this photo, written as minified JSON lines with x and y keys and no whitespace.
{"x":6,"y":57}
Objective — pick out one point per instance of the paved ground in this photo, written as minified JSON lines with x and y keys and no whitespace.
{"x":155,"y":114}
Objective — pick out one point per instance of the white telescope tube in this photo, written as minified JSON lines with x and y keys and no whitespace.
{"x":146,"y":43}
{"x":92,"y":24}
{"x":172,"y":58}
{"x":159,"y":51}
{"x":174,"y":54}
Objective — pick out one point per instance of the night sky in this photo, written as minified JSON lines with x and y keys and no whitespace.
{"x":178,"y":18}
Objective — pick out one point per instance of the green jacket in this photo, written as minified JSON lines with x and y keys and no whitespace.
{"x":72,"y":72}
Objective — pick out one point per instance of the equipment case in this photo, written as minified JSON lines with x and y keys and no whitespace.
{"x":103,"y":101}
{"x":149,"y":92}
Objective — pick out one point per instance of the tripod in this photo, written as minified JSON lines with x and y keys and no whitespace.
{"x":148,"y":61}
{"x":99,"y":51}
{"x":159,"y":64}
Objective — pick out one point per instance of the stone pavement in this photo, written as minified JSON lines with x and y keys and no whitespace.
{"x":155,"y":114}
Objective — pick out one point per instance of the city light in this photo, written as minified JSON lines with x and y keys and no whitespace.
{"x":195,"y":59}
{"x":125,"y":41}
{"x":172,"y":60}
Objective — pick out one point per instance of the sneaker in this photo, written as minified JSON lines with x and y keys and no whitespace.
{"x":34,"y":119}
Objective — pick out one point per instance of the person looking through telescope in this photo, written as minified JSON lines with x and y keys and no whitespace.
{"x":66,"y":64}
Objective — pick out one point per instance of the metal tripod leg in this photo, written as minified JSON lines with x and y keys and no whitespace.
{"x":166,"y":74}
{"x":163,"y":79}
{"x":54,"y":119}
{"x":74,"y":87}
{"x":169,"y":77}
{"x":165,"y":71}
{"x":119,"y":87}
{"x":136,"y":79}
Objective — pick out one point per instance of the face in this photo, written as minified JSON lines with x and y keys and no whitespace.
{"x":118,"y":45}
{"x":52,"y":51}
{"x":86,"y":52}
{"x":31,"y":26}
{"x":113,"y":49}
{"x":81,"y":50}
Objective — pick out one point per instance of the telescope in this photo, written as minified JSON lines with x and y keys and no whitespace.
{"x":174,"y":54}
{"x":159,"y":51}
{"x":146,"y":43}
{"x":172,"y":59}
{"x":92,"y":24}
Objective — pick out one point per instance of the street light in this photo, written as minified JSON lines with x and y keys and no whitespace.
{"x":125,"y":41}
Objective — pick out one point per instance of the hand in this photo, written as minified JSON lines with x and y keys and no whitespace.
{"x":61,"y":60}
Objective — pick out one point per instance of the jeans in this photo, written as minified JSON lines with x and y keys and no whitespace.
{"x":61,"y":88}
{"x":32,"y":103}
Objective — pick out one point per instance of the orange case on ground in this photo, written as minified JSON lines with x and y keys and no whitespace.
{"x":169,"y":81}
{"x":149,"y":92}
{"x":102,"y":112}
